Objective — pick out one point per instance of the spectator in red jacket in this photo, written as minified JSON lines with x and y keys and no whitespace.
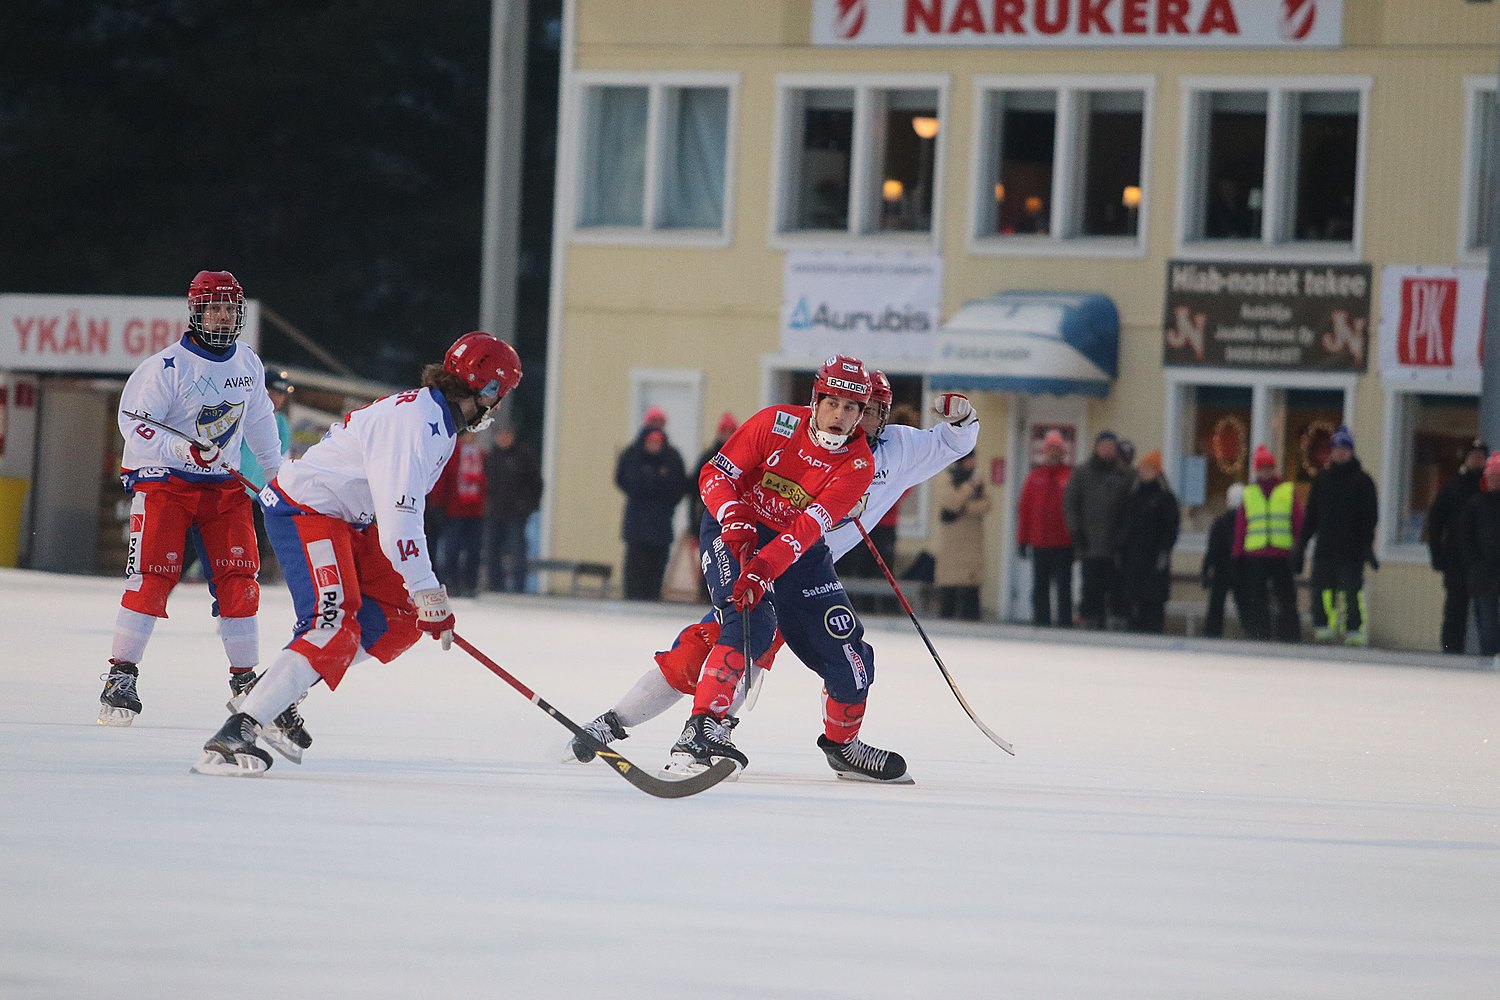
{"x":1042,"y":534}
{"x":462,"y":491}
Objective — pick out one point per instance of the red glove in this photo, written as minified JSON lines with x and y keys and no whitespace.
{"x":433,"y":614}
{"x":755,"y":579}
{"x":737,"y":529}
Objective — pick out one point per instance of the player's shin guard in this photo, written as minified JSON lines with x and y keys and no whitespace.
{"x":722,"y":673}
{"x":841,"y":721}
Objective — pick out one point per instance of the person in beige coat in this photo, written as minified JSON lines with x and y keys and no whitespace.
{"x":962,"y":505}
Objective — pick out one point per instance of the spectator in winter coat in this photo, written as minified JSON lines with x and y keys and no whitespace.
{"x":960,"y":562}
{"x":515,"y":493}
{"x":1341,"y":515}
{"x":1265,"y":537}
{"x":1148,"y":532}
{"x":1478,"y":536}
{"x":650,"y":474}
{"x":462,"y":491}
{"x":1442,"y":544}
{"x":1221,"y":571}
{"x":1092,"y":504}
{"x":1042,"y":534}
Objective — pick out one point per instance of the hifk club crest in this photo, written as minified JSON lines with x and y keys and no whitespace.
{"x":849,"y":20}
{"x":1297,"y":17}
{"x":217,"y":422}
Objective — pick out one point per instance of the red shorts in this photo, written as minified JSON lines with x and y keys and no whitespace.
{"x":682,"y":664}
{"x":161,"y":511}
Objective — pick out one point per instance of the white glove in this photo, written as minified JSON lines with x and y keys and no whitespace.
{"x":433,"y":614}
{"x":953,"y":408}
{"x":189,"y":453}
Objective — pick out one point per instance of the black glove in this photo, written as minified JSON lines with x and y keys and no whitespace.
{"x":1437,"y":562}
{"x":1372,"y":561}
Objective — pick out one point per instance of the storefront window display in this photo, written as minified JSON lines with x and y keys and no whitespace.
{"x":1432,"y":434}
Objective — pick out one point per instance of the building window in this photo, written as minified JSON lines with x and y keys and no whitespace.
{"x":1433,"y":433}
{"x":1479,"y":170}
{"x":1273,"y":165}
{"x":1214,"y":428}
{"x":1060,"y":161}
{"x":859,"y":159}
{"x":654,"y":158}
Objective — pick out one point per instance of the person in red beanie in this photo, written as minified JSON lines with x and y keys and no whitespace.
{"x":1042,"y":534}
{"x":1265,"y":537}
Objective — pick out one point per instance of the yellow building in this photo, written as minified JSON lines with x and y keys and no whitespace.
{"x":1283,"y":201}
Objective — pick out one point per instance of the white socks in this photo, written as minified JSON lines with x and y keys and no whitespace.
{"x":241,"y":638}
{"x":284,"y":681}
{"x":132,"y":632}
{"x":650,"y":697}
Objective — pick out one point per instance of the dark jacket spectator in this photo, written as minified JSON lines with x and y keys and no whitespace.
{"x":1148,"y":532}
{"x":1479,"y":540}
{"x":1341,"y":515}
{"x":1442,"y":545}
{"x":515,"y":493}
{"x":727,"y":426}
{"x":1220,"y":571}
{"x":651,"y":475}
{"x":1092,"y":503}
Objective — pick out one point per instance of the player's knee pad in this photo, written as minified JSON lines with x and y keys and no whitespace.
{"x":682,"y":664}
{"x":239,"y":596}
{"x":329,"y":655}
{"x":147,"y":593}
{"x":398,"y":638}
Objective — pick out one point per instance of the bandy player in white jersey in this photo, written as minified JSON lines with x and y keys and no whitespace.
{"x":212,"y":388}
{"x":904,"y":457}
{"x":345,"y":520}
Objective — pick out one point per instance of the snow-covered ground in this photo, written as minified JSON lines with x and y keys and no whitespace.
{"x":1175,"y":824}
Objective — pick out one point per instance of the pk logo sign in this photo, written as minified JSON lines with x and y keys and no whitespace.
{"x":1425,"y":337}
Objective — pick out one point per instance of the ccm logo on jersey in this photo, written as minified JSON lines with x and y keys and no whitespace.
{"x":727,"y":467}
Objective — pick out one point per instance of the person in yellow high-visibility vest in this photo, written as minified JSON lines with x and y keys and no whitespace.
{"x":1265,"y":536}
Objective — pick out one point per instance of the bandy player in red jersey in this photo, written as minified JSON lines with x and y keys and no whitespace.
{"x":213,"y":388}
{"x":787,"y":476}
{"x":345,"y":520}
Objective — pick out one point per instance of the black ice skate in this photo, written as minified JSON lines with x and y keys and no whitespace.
{"x":606,"y":729}
{"x":858,"y":761}
{"x":232,"y":750}
{"x":119,"y":704}
{"x":287,"y":735}
{"x":704,"y":740}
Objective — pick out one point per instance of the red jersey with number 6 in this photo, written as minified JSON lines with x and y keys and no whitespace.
{"x":790,"y":482}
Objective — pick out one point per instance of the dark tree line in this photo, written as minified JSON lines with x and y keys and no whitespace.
{"x":329,"y":152}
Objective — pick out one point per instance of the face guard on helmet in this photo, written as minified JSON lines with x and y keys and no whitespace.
{"x":842,"y":377}
{"x":878,"y":410}
{"x":488,"y":367}
{"x":216,"y":309}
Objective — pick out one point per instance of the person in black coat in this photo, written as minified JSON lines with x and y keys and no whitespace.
{"x":1220,"y":572}
{"x":1478,"y":537}
{"x":1442,"y":545}
{"x":650,"y":474}
{"x":1341,"y":513}
{"x":515,"y":493}
{"x":1148,"y":532}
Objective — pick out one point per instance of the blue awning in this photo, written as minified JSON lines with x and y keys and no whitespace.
{"x":1034,"y":342}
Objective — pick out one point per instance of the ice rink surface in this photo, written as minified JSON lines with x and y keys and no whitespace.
{"x":1175,"y":824}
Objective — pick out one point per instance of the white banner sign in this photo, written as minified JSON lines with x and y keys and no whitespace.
{"x":1432,"y":325}
{"x":95,"y":333}
{"x":1306,"y":24}
{"x":877,"y":307}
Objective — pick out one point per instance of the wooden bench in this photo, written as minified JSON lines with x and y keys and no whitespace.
{"x":585,"y":578}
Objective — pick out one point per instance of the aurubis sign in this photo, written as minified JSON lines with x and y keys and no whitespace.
{"x":94,"y":333}
{"x":1079,"y":23}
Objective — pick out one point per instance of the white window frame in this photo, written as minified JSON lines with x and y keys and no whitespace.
{"x":1066,"y":170}
{"x":862,"y":219}
{"x":1262,"y":384}
{"x":1272,"y":245}
{"x":650,"y":232}
{"x":1395,"y":455}
{"x":1468,"y":252}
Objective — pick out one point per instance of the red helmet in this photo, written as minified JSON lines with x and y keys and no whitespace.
{"x":880,"y":389}
{"x":842,"y":376}
{"x":486,"y":365}
{"x":209,"y":287}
